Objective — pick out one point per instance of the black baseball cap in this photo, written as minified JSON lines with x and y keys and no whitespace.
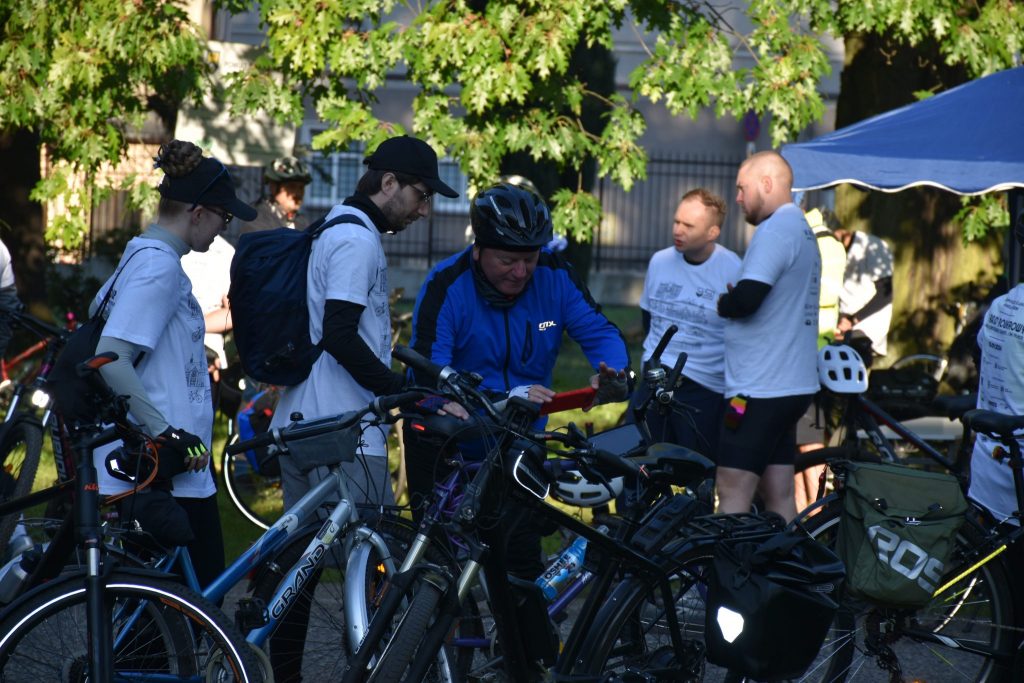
{"x":411,"y":156}
{"x":208,"y":183}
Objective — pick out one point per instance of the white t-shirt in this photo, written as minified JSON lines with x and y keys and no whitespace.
{"x":210,"y":274}
{"x":1001,"y":389}
{"x":347,"y":263}
{"x":773,"y":352}
{"x":680,"y":293}
{"x":867,"y":260}
{"x":153,"y":306}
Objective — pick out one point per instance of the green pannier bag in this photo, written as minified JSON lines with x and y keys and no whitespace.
{"x":897,"y":532}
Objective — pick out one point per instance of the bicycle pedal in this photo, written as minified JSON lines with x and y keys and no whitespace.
{"x":251,"y":613}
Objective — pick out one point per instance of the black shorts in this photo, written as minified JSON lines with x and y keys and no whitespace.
{"x":764,"y":435}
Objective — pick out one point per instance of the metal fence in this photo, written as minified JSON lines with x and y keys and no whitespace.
{"x":635,"y":224}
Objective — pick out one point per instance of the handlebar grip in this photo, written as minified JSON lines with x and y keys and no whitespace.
{"x":264,"y":439}
{"x":417,"y":362}
{"x":386,"y":403}
{"x":663,"y":343}
{"x":677,"y":369}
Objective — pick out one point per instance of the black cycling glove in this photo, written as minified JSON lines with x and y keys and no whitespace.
{"x":178,"y":452}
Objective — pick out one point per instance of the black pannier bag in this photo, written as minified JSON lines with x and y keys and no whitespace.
{"x":770,"y":604}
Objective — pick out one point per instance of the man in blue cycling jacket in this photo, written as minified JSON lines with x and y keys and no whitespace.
{"x":499,"y":308}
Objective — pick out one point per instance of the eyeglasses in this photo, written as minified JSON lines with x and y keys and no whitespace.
{"x":425,"y":197}
{"x":225,"y":216}
{"x":223,"y":171}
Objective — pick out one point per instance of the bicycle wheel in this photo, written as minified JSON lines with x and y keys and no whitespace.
{"x":259,"y":498}
{"x":21,"y":444}
{"x":161,"y":630}
{"x":872,"y":643}
{"x":632,"y":633}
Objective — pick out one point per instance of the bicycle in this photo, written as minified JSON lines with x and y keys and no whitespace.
{"x":93,"y":623}
{"x":969,"y":625}
{"x":661,"y":552}
{"x":303,"y":569}
{"x":21,"y":435}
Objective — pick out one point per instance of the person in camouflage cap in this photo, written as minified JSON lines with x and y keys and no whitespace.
{"x":286,"y":179}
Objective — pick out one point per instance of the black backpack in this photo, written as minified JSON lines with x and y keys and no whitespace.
{"x":269,"y":313}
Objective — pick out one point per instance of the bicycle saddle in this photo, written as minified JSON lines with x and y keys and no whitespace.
{"x":685,"y":467}
{"x":995,"y":425}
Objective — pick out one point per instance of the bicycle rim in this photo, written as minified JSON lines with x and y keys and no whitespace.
{"x":260,"y":499}
{"x":161,"y":631}
{"x":868,"y":643}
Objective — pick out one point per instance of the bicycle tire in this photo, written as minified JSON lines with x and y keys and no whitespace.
{"x":21,"y":446}
{"x":413,"y":626}
{"x":630,"y":633}
{"x":160,"y":628}
{"x":979,"y":607}
{"x":308,"y":645}
{"x":260,"y":499}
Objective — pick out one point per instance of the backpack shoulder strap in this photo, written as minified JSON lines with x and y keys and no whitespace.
{"x":323,"y":224}
{"x":106,"y":297}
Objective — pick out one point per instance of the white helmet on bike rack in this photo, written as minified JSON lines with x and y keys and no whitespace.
{"x":572,"y":488}
{"x":842,"y":370}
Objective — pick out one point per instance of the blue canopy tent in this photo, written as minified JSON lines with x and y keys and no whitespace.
{"x":968,"y":140}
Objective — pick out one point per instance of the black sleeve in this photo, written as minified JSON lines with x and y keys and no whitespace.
{"x":342,"y":340}
{"x":744,"y":299}
{"x":645,"y":321}
{"x":881,"y":299}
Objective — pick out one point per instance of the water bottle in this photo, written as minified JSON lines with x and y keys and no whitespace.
{"x":14,"y":573}
{"x":565,"y":567}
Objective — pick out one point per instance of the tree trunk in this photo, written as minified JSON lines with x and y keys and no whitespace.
{"x":933,"y":269}
{"x":21,"y":219}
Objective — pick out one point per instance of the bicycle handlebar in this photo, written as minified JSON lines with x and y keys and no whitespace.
{"x":380,"y":406}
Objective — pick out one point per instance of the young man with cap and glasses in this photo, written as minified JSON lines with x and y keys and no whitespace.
{"x":155,"y":326}
{"x":349,"y":309}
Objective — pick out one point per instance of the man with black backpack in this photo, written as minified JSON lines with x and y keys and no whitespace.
{"x":349,"y":312}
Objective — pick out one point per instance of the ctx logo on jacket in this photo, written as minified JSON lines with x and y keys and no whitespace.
{"x":546,"y":325}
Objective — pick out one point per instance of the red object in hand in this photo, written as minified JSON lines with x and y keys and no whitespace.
{"x":567,"y":400}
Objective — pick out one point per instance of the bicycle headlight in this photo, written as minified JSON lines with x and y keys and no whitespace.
{"x":40,"y":399}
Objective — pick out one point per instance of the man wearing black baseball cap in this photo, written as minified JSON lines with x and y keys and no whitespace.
{"x":348,"y":303}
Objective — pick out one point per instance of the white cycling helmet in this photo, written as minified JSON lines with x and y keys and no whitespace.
{"x":572,"y":488}
{"x":842,"y":370}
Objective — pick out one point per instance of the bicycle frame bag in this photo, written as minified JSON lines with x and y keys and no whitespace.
{"x":323,"y":450}
{"x":897,"y":531}
{"x":770,"y":604}
{"x":269,"y":307}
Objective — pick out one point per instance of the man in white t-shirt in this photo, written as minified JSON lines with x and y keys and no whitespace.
{"x":349,"y":310}
{"x":771,"y":336}
{"x":8,"y":296}
{"x":865,"y":304}
{"x":682,"y":288}
{"x":1000,"y":389}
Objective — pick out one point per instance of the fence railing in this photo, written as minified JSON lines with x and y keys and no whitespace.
{"x":635,"y":224}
